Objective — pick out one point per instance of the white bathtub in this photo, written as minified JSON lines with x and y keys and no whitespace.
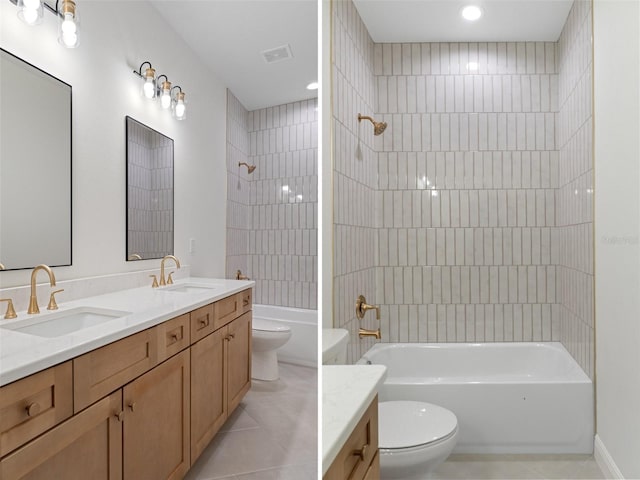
{"x":302,"y":347}
{"x":508,"y":397}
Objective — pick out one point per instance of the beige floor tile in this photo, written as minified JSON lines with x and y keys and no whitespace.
{"x":271,"y":436}
{"x":531,"y":467}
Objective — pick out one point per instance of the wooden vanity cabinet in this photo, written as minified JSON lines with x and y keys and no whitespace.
{"x":143,"y":407}
{"x":87,"y":446}
{"x":220,"y":377}
{"x":358,"y":459}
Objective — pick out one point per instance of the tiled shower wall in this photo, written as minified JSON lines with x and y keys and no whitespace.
{"x":354,"y":174}
{"x":284,"y":204}
{"x":238,"y":215}
{"x":575,"y":194}
{"x":272,"y":213}
{"x":150,"y":192}
{"x":467,"y":176}
{"x":475,"y":235}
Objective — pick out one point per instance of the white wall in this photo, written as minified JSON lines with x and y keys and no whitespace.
{"x":617,"y":223}
{"x":116,"y":37}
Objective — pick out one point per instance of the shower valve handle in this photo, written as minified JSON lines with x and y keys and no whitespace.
{"x":362,"y":306}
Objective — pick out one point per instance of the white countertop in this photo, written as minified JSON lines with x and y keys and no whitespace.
{"x":22,"y":354}
{"x":347,"y":391}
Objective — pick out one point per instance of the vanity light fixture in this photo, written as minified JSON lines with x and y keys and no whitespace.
{"x":149,"y":76}
{"x":165,"y":92}
{"x":160,"y":86}
{"x":31,"y":13}
{"x":68,"y":24}
{"x":179,"y":108}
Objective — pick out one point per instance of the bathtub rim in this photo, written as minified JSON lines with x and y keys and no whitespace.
{"x":578,"y":375}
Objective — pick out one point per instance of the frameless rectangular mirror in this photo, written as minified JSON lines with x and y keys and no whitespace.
{"x":149,"y":192}
{"x":35,"y":166}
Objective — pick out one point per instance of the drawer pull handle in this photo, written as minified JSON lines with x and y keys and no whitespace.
{"x":120,"y":416}
{"x":174,"y":338}
{"x":232,"y":335}
{"x":33,"y":409}
{"x":245,"y":302}
{"x":362,"y":452}
{"x":132,"y":406}
{"x":204,"y":323}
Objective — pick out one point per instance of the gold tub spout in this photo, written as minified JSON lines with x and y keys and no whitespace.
{"x":163,"y":280}
{"x":363,"y":332}
{"x":33,"y":300}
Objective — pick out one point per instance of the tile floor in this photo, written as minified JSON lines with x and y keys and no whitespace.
{"x":519,"y":467}
{"x":272,"y":435}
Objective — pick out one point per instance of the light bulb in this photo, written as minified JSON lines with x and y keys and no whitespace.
{"x":30,"y":16}
{"x":165,"y":96}
{"x":68,"y":24}
{"x":165,"y":100}
{"x":149,"y":88}
{"x":180,"y":107}
{"x":30,"y":11}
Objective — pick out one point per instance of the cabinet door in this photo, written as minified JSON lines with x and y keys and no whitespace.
{"x":156,"y":422}
{"x":87,"y":446}
{"x":208,"y":390}
{"x":239,"y":360}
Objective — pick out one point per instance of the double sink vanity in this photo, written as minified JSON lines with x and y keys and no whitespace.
{"x":128,"y":385}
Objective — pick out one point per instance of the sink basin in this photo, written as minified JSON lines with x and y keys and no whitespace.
{"x":65,"y":322}
{"x":334,"y":346}
{"x":190,"y":288}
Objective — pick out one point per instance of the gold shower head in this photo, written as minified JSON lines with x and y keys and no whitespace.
{"x":378,"y":127}
{"x":250,"y":168}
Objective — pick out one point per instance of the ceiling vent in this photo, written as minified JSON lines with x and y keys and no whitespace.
{"x":277,"y":54}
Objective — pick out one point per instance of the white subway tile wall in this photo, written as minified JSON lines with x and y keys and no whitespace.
{"x":238,"y":219}
{"x":477,"y":233}
{"x":283,"y":204}
{"x":149,"y":192}
{"x":575,"y":193}
{"x":272,"y":214}
{"x":355,"y":175}
{"x":468,"y":170}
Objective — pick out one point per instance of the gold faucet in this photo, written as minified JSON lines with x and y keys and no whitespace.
{"x":163,"y":281}
{"x":240,"y":276}
{"x":362,"y":306}
{"x":33,"y":301}
{"x":363,"y":332}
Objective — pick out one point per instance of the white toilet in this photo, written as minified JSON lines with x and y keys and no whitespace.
{"x":414,"y":438}
{"x":266,"y":338}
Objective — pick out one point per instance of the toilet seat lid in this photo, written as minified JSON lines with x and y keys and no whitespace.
{"x":405,"y":424}
{"x":267,"y":326}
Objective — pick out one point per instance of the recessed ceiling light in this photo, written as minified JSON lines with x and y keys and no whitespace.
{"x":471,"y":13}
{"x":312,"y":86}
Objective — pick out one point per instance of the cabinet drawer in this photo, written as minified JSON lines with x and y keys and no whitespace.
{"x":202,"y":323}
{"x":34,"y":404}
{"x":232,"y":307}
{"x":353,"y":460}
{"x":98,"y":373}
{"x":173,"y":336}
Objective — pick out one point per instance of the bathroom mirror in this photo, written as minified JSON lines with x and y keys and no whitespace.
{"x":35,"y":166}
{"x":149,"y":192}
